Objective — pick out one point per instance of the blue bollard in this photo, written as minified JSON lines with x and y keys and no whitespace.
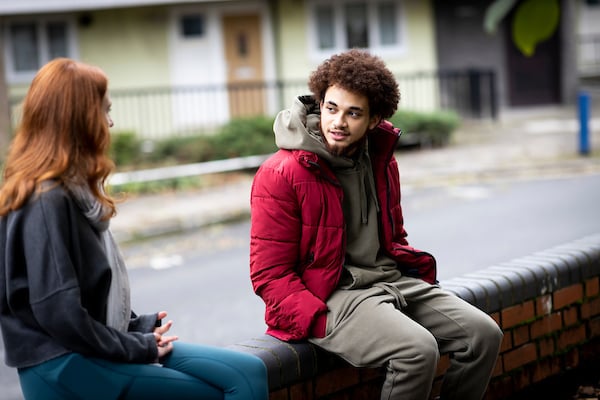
{"x":584,"y":108}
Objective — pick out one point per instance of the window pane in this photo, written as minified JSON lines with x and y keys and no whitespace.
{"x":57,"y":39}
{"x":387,"y":23}
{"x":24,"y":43}
{"x":357,"y":33}
{"x":192,"y":26}
{"x":325,"y":26}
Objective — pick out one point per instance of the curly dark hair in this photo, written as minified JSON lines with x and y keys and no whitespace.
{"x":360,"y":72}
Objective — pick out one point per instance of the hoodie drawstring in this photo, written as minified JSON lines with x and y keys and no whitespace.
{"x":368,"y":181}
{"x":363,"y":195}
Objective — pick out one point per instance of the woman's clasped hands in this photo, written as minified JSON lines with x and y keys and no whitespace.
{"x":164,"y":343}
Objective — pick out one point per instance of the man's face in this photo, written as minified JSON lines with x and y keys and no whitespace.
{"x":345,"y":120}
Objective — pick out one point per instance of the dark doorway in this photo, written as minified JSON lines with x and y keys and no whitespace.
{"x":533,"y":80}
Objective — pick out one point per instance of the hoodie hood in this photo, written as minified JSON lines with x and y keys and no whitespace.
{"x":298,"y":128}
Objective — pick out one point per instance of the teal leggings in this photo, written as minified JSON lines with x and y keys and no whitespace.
{"x":188,"y":372}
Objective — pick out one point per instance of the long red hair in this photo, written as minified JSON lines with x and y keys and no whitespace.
{"x":63,"y":135}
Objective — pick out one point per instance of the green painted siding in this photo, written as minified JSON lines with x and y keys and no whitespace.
{"x":294,"y":50}
{"x":294,"y":62}
{"x":420,"y":54}
{"x":130,"y":45}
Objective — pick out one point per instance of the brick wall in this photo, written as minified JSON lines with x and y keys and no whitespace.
{"x":548,"y":305}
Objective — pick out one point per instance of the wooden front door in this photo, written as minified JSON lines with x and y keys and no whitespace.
{"x":244,"y":60}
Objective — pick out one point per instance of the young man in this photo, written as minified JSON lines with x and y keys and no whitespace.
{"x":328,"y":251}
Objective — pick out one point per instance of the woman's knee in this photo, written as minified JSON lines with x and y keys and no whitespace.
{"x":252,"y":364}
{"x":203,"y":355}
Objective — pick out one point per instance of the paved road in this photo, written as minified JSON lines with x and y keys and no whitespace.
{"x":482,"y":224}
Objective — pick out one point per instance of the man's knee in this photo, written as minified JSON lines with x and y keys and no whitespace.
{"x":430,"y":351}
{"x":488,"y":334}
{"x":423,"y":357}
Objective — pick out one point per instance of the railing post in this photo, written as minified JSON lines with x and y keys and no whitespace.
{"x":493,"y":95}
{"x":475,"y":91}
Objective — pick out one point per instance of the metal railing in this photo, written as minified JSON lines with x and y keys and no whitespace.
{"x":157,"y":113}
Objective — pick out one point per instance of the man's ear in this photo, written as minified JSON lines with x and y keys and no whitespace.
{"x":374,"y":121}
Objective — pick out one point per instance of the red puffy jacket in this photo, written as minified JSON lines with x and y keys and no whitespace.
{"x":297,"y":238}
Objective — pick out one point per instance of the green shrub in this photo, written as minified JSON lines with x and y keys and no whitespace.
{"x":182,"y":150}
{"x":425,"y":128}
{"x":125,"y":148}
{"x":243,"y":137}
{"x":238,"y":138}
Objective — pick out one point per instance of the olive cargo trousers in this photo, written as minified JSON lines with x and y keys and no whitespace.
{"x":405,"y":325}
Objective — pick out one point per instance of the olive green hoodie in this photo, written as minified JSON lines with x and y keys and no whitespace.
{"x":298,"y":129}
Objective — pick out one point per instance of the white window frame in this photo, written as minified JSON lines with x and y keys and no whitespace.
{"x":340,"y":37}
{"x":15,"y":77}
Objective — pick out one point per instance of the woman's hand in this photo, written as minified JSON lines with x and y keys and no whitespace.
{"x":164,"y":343}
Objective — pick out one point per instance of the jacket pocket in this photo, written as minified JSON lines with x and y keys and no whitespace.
{"x":416,"y":263}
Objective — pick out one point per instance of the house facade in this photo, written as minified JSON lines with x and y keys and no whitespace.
{"x":143,"y":47}
{"x":183,"y":53}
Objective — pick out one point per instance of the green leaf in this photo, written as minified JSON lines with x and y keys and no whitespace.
{"x":496,"y":13}
{"x":534,"y":22}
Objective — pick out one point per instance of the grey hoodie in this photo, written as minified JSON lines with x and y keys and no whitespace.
{"x":298,"y":129}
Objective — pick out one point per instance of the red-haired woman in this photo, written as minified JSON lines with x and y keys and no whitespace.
{"x":64,"y":294}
